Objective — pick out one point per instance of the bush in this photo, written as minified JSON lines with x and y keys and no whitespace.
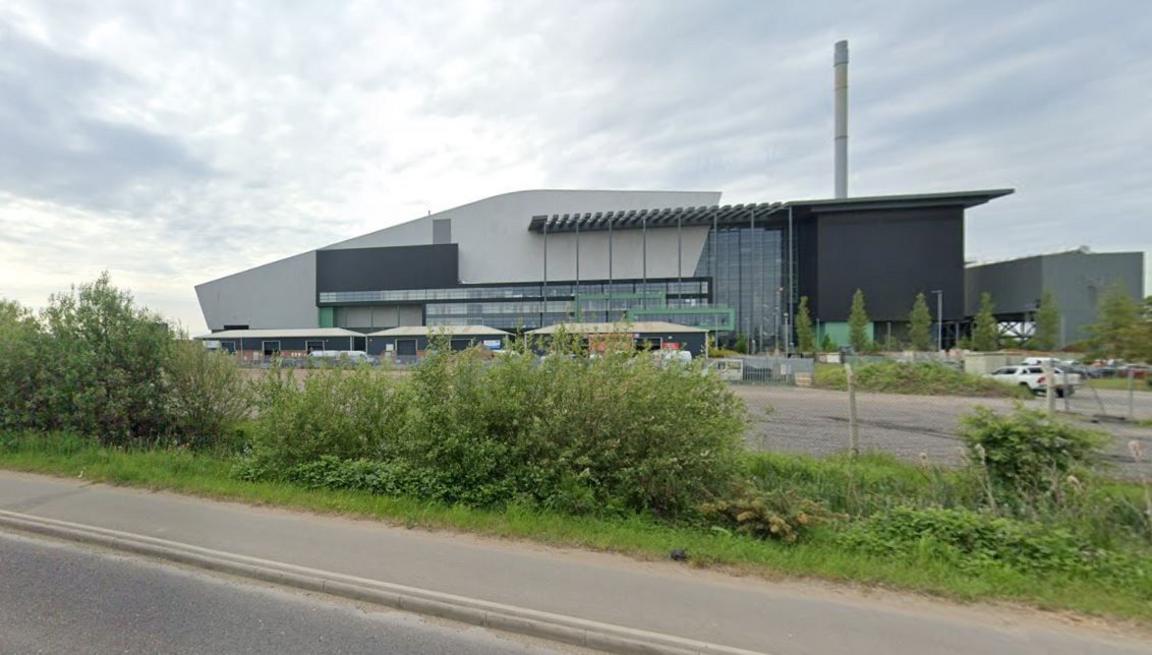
{"x":92,"y":363}
{"x":1026,"y":455}
{"x":206,"y":396}
{"x":925,"y":378}
{"x":615,"y":433}
{"x":973,"y":541}
{"x":95,"y":364}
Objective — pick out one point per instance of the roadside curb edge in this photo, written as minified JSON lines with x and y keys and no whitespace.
{"x":570,"y":630}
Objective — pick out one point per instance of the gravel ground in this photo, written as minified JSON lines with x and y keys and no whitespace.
{"x":815,"y":421}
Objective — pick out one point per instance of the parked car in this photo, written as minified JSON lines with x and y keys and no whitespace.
{"x":1138,"y":371}
{"x":1033,"y":378}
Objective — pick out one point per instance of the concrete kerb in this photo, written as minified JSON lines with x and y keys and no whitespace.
{"x":508,"y":618}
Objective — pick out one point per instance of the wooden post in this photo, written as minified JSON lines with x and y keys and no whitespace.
{"x":853,"y":427}
{"x":1131,"y":394}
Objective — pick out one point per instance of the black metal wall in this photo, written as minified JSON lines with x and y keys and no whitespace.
{"x":890,"y":255}
{"x":398,"y":267}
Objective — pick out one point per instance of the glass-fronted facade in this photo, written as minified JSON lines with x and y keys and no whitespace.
{"x":747,"y":265}
{"x":739,"y":288}
{"x":532,"y":305}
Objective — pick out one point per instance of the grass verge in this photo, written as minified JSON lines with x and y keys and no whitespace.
{"x":822,"y":556}
{"x":1119,"y":384}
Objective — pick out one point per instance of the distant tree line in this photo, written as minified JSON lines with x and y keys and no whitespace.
{"x":1123,"y":328}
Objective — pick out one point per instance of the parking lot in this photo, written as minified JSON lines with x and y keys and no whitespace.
{"x":815,"y":421}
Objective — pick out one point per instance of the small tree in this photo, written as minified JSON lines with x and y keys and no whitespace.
{"x":985,"y":335}
{"x":920,"y":324}
{"x":1047,"y":333}
{"x":1116,"y":332}
{"x":858,"y":323}
{"x":741,"y":345}
{"x":827,"y":344}
{"x":805,"y":337}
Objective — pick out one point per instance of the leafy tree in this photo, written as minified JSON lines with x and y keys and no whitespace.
{"x":985,"y":333}
{"x":858,"y":323}
{"x":1118,"y":330}
{"x":1047,"y":333}
{"x":920,"y":324}
{"x":805,"y":337}
{"x":103,"y":369}
{"x":21,"y":338}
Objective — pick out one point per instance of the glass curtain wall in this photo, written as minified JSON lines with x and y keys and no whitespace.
{"x":746,"y":263}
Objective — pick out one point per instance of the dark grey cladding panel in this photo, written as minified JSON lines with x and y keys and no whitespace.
{"x":890,"y":255}
{"x":397,"y":267}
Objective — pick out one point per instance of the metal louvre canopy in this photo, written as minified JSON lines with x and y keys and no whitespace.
{"x":635,"y":219}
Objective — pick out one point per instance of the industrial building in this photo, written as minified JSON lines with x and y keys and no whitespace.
{"x":412,"y":341}
{"x":529,"y":259}
{"x":642,"y":335}
{"x":283,"y":342}
{"x":1076,"y":279}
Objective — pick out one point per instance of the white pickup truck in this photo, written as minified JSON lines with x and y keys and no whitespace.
{"x":1032,"y":377}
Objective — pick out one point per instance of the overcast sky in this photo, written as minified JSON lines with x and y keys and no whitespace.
{"x":175,"y":142}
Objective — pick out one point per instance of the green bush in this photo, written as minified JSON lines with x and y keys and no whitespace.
{"x":1028,"y":456}
{"x":610,"y":434}
{"x":973,"y":541}
{"x":206,"y":395}
{"x":925,"y":378}
{"x":94,"y":363}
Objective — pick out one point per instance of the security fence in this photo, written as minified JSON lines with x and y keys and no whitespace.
{"x":764,"y":370}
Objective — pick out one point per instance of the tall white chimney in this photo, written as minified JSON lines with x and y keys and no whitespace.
{"x":840,"y":138}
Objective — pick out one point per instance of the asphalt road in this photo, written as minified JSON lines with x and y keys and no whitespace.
{"x":62,"y":598}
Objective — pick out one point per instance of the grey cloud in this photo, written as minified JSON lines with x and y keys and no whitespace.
{"x":57,"y":148}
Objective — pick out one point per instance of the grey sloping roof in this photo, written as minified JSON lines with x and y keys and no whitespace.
{"x":742,"y":213}
{"x":286,"y":333}
{"x":643,"y":327}
{"x":450,"y":330}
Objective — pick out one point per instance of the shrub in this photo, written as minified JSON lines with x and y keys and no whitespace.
{"x":343,"y":413}
{"x":1026,"y":455}
{"x":206,"y":396}
{"x":615,"y":433}
{"x":20,"y":342}
{"x":92,"y":363}
{"x":973,"y":541}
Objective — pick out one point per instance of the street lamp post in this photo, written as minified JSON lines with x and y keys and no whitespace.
{"x":939,"y":319}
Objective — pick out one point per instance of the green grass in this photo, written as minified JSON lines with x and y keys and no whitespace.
{"x":1119,"y":384}
{"x":878,"y":481}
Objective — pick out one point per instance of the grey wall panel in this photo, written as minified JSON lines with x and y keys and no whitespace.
{"x":277,"y":295}
{"x":1015,"y":285}
{"x":890,"y":255}
{"x":397,"y":267}
{"x":1079,"y":280}
{"x":442,"y":230}
{"x":496,"y":246}
{"x":410,"y":315}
